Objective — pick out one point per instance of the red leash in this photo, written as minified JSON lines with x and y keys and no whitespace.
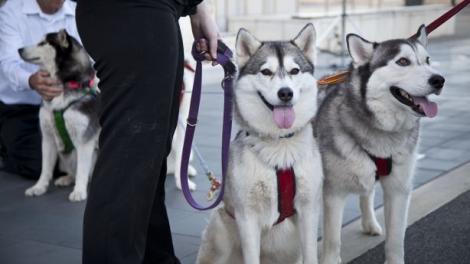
{"x":449,"y":14}
{"x":341,"y":77}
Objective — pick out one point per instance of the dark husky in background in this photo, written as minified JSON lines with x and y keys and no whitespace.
{"x":67,"y":61}
{"x":372,"y":118}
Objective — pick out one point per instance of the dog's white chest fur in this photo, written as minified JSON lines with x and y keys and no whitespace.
{"x":252,"y":172}
{"x":251,"y":197}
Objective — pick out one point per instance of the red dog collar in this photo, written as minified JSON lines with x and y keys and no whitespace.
{"x":74,"y":85}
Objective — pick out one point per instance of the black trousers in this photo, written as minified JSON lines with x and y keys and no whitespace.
{"x":137,"y":47}
{"x":20,"y":139}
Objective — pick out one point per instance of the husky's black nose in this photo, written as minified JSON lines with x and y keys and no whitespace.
{"x":20,"y":51}
{"x":437,"y":81}
{"x":285,"y":94}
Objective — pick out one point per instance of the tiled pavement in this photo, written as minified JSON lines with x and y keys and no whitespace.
{"x":47,"y":229}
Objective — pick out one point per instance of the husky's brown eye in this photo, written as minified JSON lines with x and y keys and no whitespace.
{"x":403,"y":62}
{"x":267,"y":72}
{"x":428,"y":61}
{"x":294,"y":71}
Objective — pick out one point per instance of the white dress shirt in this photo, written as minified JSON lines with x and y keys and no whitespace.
{"x":22,"y":23}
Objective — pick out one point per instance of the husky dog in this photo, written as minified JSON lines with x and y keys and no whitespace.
{"x":174,"y":158}
{"x":274,"y":104}
{"x":66,"y":60}
{"x":368,"y":128}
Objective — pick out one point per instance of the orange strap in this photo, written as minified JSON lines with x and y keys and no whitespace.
{"x":336,"y":78}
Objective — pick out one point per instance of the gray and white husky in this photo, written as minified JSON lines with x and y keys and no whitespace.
{"x":66,"y":60}
{"x":375,"y":115}
{"x":274,"y":104}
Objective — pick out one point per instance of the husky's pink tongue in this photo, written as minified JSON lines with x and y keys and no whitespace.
{"x":429,"y":108}
{"x":284,"y":116}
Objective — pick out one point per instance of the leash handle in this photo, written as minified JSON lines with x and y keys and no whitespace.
{"x":224,"y":56}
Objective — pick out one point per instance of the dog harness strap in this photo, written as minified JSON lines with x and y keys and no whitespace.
{"x":62,"y":130}
{"x":384,"y":166}
{"x":286,"y":193}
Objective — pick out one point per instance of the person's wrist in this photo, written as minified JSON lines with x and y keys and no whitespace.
{"x":201,"y":10}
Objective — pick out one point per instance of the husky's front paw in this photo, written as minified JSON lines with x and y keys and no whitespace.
{"x":36,"y":190}
{"x":191,"y":184}
{"x":64,"y":181}
{"x":78,"y":195}
{"x":371,"y":228}
{"x":192,"y":171}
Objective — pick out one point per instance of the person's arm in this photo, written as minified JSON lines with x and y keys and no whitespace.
{"x":19,"y":76}
{"x":205,"y":31}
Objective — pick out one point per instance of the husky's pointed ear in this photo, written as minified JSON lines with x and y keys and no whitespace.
{"x":62,"y":38}
{"x":422,"y":36}
{"x":246,"y":45}
{"x":361,"y":50}
{"x":305,"y":40}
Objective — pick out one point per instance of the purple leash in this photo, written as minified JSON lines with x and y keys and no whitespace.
{"x":224,"y":56}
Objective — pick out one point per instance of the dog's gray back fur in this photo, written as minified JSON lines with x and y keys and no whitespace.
{"x":89,"y":106}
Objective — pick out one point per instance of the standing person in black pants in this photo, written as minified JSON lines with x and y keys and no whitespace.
{"x":138,"y":51}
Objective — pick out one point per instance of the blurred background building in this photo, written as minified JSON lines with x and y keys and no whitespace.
{"x":278,"y":19}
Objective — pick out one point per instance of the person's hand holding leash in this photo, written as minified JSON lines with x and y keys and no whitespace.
{"x":205,"y":31}
{"x":47,"y":87}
